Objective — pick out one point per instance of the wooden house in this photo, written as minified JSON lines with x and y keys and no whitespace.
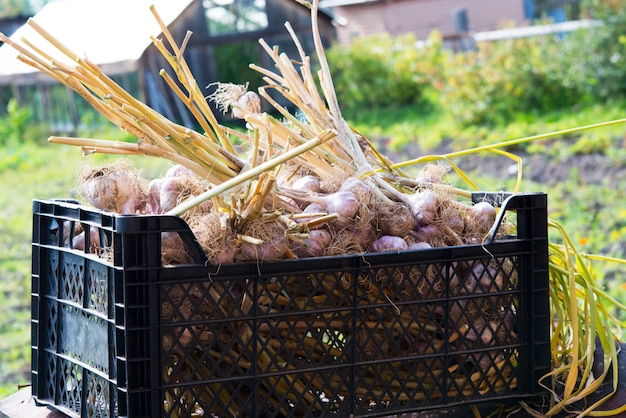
{"x":115,"y":34}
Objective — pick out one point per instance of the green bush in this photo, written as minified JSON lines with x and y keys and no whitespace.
{"x":502,"y":79}
{"x":493,"y":85}
{"x":383,"y":71}
{"x":486,"y":86}
{"x":594,"y":60}
{"x":14,"y":124}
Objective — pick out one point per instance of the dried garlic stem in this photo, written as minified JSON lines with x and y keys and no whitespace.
{"x":253,"y":172}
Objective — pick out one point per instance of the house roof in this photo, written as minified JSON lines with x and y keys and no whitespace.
{"x":111,"y":33}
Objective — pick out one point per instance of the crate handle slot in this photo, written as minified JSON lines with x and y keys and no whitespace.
{"x":531,"y":210}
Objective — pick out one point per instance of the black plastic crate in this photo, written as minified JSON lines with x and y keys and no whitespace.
{"x":119,"y":334}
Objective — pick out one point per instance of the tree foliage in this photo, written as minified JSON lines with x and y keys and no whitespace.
{"x":14,"y":8}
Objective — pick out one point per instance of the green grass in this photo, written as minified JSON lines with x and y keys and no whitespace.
{"x":594,"y":214}
{"x":430,"y":129}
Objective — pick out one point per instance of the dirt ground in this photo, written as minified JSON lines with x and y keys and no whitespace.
{"x":544,"y":169}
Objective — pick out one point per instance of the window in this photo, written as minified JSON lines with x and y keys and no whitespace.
{"x":226,"y":17}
